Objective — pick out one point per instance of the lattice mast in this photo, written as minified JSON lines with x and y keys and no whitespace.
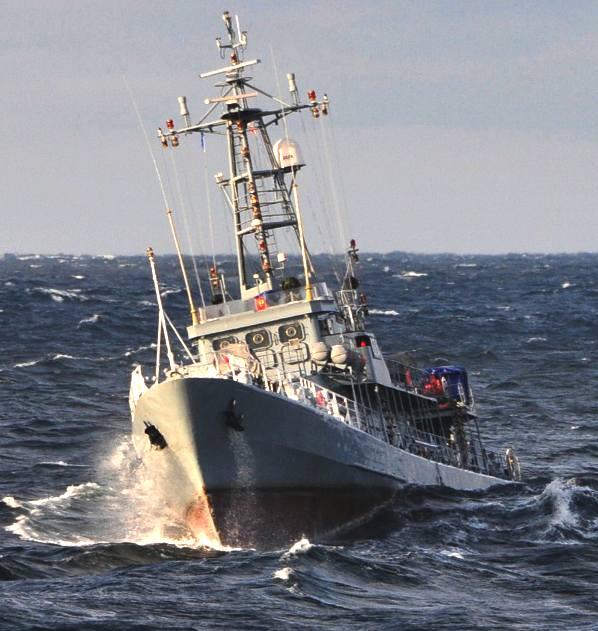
{"x":259,"y":198}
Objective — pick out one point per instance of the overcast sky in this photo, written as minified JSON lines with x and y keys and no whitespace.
{"x":455,"y":126}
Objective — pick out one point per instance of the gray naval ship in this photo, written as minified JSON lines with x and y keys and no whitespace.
{"x":286,"y":419}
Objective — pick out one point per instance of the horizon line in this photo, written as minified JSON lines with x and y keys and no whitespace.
{"x":362,"y":252}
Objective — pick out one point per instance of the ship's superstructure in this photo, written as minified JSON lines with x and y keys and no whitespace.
{"x":286,"y":410}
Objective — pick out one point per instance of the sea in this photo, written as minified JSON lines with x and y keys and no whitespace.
{"x":83,"y":544}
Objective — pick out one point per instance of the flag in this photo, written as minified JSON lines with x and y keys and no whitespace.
{"x":261,"y":303}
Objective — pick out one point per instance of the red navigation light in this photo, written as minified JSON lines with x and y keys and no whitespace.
{"x":311,"y":95}
{"x":170,"y":124}
{"x":363,"y":344}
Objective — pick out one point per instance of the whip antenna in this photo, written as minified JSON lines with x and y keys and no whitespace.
{"x":166,"y":205}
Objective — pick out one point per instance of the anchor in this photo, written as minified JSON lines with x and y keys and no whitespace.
{"x":155,"y":436}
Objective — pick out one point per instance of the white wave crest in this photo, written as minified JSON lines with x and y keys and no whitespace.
{"x":560,"y":494}
{"x":25,"y":529}
{"x":61,"y":463}
{"x":77,"y":276}
{"x":566,"y":285}
{"x":169,"y":291}
{"x":410,"y":274}
{"x":283,"y":574}
{"x":36,"y":524}
{"x":74,"y":490}
{"x":138,"y":350}
{"x":29,"y":363}
{"x":131,"y":505}
{"x":11,"y":502}
{"x":33,"y":362}
{"x":59,"y":295}
{"x":299,"y":547}
{"x":94,"y":319}
{"x":384,"y":312}
{"x":453,"y":554}
{"x":535,"y":340}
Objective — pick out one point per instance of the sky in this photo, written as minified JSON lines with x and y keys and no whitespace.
{"x":466,"y":127}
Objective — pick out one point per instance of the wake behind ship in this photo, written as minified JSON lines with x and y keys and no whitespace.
{"x":285,"y":419}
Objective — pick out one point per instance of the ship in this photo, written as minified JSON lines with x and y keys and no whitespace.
{"x":280,"y":417}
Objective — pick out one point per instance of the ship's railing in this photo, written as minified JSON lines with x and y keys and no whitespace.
{"x":405,"y":376}
{"x":342,"y":408}
{"x":267,"y":299}
{"x":417,"y":380}
{"x":469,"y":455}
{"x":243,"y":368}
{"x":246,"y":369}
{"x":446,"y":451}
{"x":473,"y":457}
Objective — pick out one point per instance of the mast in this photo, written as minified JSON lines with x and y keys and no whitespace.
{"x":260,"y":201}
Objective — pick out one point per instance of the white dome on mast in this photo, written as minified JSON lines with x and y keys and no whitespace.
{"x":287,"y":153}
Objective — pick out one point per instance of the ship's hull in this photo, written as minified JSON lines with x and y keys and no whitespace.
{"x":272,"y":469}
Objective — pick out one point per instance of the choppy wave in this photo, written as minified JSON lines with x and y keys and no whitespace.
{"x":122,"y":508}
{"x":537,"y":340}
{"x":384,"y":312}
{"x":80,"y":514}
{"x":299,"y":547}
{"x":170,"y":290}
{"x":410,"y":274}
{"x":59,"y":295}
{"x":284,"y":573}
{"x":26,"y":364}
{"x":94,"y":319}
{"x":61,"y":463}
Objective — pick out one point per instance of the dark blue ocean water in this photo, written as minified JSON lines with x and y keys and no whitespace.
{"x":83,"y":547}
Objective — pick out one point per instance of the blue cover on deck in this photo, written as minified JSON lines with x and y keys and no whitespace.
{"x":453,"y":376}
